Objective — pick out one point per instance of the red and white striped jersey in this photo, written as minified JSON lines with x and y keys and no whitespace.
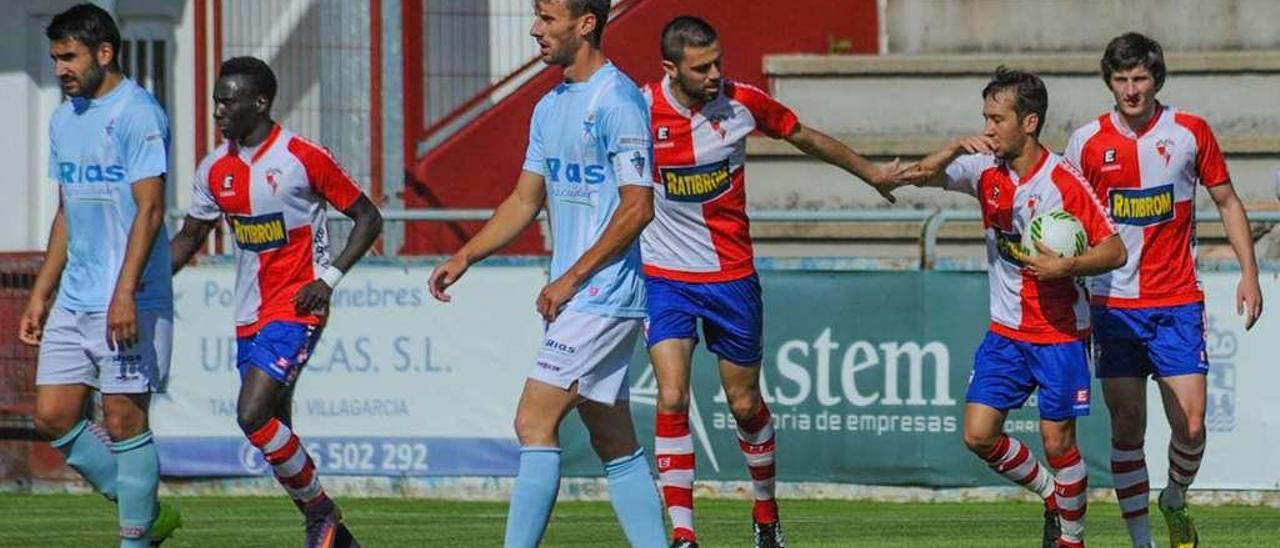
{"x":700,"y":231}
{"x":1022,"y":307}
{"x":273,"y":196}
{"x":1148,"y":182}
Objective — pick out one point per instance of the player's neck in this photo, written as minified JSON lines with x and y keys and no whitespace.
{"x":258,"y":134}
{"x":585,"y":63}
{"x":1028,"y":159}
{"x":109,"y":83}
{"x":1137,"y":124}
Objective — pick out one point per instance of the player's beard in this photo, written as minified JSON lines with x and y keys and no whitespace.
{"x":698,"y":93}
{"x":90,"y":81}
{"x":563,"y":55}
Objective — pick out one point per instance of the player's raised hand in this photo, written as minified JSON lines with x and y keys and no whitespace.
{"x":313,"y":298}
{"x":1049,"y":264}
{"x":889,"y":176}
{"x":122,"y":322}
{"x":552,"y":298}
{"x":977,"y":144}
{"x":1249,"y":301}
{"x":31,"y":326}
{"x":445,"y":275}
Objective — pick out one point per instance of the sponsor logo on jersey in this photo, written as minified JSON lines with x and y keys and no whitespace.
{"x":1142,"y":206}
{"x":70,"y":172}
{"x":1109,"y":156}
{"x":664,"y":133}
{"x":1009,"y":247}
{"x":572,"y":172}
{"x":260,"y":233}
{"x":697,"y":183}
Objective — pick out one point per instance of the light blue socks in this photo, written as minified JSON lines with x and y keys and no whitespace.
{"x":137,"y":478}
{"x":534,"y":494}
{"x":86,"y":449}
{"x":635,"y":500}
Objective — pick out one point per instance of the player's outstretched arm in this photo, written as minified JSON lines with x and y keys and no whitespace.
{"x":932,"y":169}
{"x":882,"y":177}
{"x":515,"y":214}
{"x":1236,"y":222}
{"x":31,"y":325}
{"x":635,"y":210}
{"x":148,"y":194}
{"x":1108,"y":255}
{"x":188,"y":240}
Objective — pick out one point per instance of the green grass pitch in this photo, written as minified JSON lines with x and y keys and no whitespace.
{"x":87,"y":520}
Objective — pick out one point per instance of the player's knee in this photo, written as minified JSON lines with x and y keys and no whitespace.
{"x":673,"y":399}
{"x":980,"y":444}
{"x":122,"y":426}
{"x":251,"y":418}
{"x":1057,"y":446}
{"x":1188,"y":430}
{"x":54,"y":425}
{"x":534,"y":431}
{"x":744,"y":403}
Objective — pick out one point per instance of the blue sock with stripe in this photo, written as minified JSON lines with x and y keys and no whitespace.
{"x":86,"y":450}
{"x":635,"y":501}
{"x":534,"y":494}
{"x":137,"y":479}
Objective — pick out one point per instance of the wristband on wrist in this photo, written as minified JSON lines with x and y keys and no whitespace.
{"x":331,"y":276}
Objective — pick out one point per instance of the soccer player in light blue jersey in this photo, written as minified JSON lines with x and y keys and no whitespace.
{"x":590,"y":163}
{"x":110,"y":326}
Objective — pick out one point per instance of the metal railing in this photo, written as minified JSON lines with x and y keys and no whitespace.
{"x":931,"y":220}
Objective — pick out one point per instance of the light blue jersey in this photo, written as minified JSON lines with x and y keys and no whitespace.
{"x":586,"y":139}
{"x":98,"y":148}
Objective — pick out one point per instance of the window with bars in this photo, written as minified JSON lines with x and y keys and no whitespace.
{"x":146,"y":61}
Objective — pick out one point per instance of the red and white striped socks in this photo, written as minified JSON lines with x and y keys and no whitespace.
{"x":1011,"y":459}
{"x":1133,"y":489}
{"x":755,"y":438}
{"x":1071,"y":496}
{"x":1184,"y":463}
{"x":293,"y":467}
{"x":673,"y":451}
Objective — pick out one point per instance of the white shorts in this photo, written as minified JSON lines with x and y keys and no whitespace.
{"x":591,"y":350}
{"x":73,"y":350}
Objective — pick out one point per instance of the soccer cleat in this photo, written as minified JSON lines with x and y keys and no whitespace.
{"x":683,"y":543}
{"x":168,"y":519}
{"x":1052,"y":529}
{"x":1182,"y":529}
{"x":323,"y":522}
{"x":769,"y":535}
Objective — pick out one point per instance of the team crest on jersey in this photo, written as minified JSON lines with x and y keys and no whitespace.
{"x":1142,"y":206}
{"x":271,"y":179}
{"x":639,"y":162}
{"x":260,"y":233}
{"x":1164,"y":148}
{"x":697,"y":183}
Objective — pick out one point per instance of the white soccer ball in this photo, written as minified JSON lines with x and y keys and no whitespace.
{"x":1057,"y":229}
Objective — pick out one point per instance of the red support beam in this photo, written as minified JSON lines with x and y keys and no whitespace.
{"x":413,"y":58}
{"x":202,"y":79}
{"x":375,"y":101}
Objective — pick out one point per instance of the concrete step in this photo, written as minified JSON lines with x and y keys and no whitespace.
{"x":781,"y":177}
{"x":915,"y":95}
{"x":966,"y":26}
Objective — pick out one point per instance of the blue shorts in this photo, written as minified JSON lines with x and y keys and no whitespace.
{"x":1007,"y":371}
{"x":279,"y":349}
{"x":732,"y":315}
{"x":1164,"y":341}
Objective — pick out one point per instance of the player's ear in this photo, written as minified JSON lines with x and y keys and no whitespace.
{"x":1030,"y":123}
{"x":262,"y":104}
{"x":587,"y":26}
{"x":104,"y":54}
{"x":669,"y":68}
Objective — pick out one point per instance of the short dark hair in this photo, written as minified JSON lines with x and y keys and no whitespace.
{"x":88,"y":24}
{"x":1131,"y":50}
{"x":260,"y":77}
{"x":1029,"y":93}
{"x":598,"y":8}
{"x":685,"y":31}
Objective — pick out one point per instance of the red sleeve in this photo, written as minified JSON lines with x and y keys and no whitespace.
{"x":772,"y":118}
{"x":327,"y":178}
{"x":1210,"y":164}
{"x":1078,"y":199}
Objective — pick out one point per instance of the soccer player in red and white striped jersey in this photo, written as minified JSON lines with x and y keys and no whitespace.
{"x":698,"y":260}
{"x":1145,"y":160}
{"x":1039,"y":317}
{"x":273,"y":187}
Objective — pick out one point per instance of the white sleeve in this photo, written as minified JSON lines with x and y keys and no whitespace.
{"x":203,"y":205}
{"x":964,"y":172}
